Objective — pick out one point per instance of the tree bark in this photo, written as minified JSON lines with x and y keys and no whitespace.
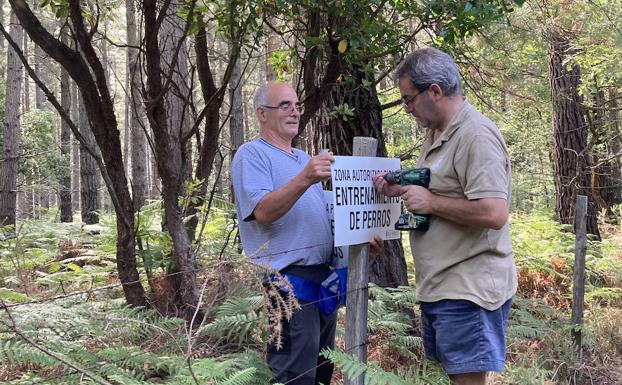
{"x":42,"y":73}
{"x":135,"y":111}
{"x":236,"y":121}
{"x":615,"y":146}
{"x":170,"y":156}
{"x":606,"y":167}
{"x":12,"y":129}
{"x":90,"y":202}
{"x":26,"y":104}
{"x":572,"y":172}
{"x":24,"y":190}
{"x":75,"y":152}
{"x":66,"y":214}
{"x":178,"y":96}
{"x":271,"y":45}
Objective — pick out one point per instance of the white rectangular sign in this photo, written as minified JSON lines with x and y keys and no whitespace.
{"x":341,"y":253}
{"x":360,"y":211}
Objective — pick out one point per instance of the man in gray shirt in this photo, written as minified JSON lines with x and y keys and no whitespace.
{"x":284,"y":227}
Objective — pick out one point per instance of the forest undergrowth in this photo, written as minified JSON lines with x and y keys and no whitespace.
{"x":66,"y":322}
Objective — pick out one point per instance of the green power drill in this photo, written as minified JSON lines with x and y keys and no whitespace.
{"x":410,"y":177}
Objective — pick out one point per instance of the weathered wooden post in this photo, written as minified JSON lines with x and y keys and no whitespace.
{"x":358,"y":273}
{"x":578,"y":278}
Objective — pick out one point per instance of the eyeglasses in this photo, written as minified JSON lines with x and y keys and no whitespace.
{"x":410,"y":99}
{"x":286,"y":106}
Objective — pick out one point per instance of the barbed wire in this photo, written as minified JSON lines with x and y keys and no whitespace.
{"x":254,"y":256}
{"x":88,"y":368}
{"x":90,"y":291}
{"x":129,"y":283}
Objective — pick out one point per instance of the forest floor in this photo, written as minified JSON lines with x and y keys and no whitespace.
{"x":66,"y":321}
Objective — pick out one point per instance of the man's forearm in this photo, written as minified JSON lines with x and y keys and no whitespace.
{"x":486,"y":213}
{"x":278,"y":202}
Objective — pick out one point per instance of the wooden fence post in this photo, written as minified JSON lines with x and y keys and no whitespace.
{"x":358,"y":276}
{"x":578,"y":278}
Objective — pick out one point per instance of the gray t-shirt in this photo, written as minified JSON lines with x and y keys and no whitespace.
{"x":300,"y":237}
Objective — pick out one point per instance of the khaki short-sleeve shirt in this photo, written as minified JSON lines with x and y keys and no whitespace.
{"x":452,"y":261}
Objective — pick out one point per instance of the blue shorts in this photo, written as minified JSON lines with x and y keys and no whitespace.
{"x":464,"y":337}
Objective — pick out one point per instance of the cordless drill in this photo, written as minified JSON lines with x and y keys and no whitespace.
{"x":410,"y":177}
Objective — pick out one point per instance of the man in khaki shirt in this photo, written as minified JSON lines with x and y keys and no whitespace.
{"x":465,"y":274}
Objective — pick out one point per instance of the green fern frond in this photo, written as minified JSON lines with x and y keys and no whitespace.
{"x":352,"y":368}
{"x":238,"y":327}
{"x":243,"y":377}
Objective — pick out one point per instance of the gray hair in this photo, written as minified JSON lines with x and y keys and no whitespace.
{"x":261,"y":96}
{"x":428,"y":66}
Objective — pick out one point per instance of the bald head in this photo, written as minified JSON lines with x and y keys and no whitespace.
{"x":278,"y":112}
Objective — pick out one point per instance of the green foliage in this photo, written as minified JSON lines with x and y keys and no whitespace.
{"x":237,"y":319}
{"x":113,"y":341}
{"x":343,"y":111}
{"x":155,"y":245}
{"x":236,"y":21}
{"x":282,"y":62}
{"x":11,"y":296}
{"x":40,"y":161}
{"x":375,"y":375}
{"x":455,"y":20}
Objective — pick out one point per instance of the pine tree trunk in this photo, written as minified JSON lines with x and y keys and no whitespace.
{"x":178,"y":96}
{"x":12,"y":129}
{"x":615,"y":146}
{"x":90,"y":203}
{"x":42,"y":73}
{"x":171,"y":158}
{"x":75,"y":151}
{"x":236,"y":121}
{"x":606,"y":167}
{"x":24,"y":190}
{"x":271,"y":45}
{"x":26,"y":104}
{"x":66,"y":214}
{"x":572,"y":172}
{"x":135,"y":112}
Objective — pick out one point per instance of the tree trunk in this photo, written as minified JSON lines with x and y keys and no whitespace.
{"x":42,"y":73}
{"x":134,"y":117}
{"x":572,"y":172}
{"x":271,"y":45}
{"x":606,"y":167}
{"x":66,"y":214}
{"x":90,"y":203}
{"x":26,"y":105}
{"x":615,"y":146}
{"x":12,"y":129}
{"x":236,"y":121}
{"x":75,"y":152}
{"x":87,"y":71}
{"x":178,"y":97}
{"x":170,"y":156}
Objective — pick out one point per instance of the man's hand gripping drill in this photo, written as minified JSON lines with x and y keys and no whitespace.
{"x":406,"y":177}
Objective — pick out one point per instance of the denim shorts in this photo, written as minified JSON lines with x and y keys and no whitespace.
{"x":464,"y":337}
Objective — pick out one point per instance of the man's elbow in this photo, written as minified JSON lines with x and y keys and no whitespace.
{"x":497,"y":214}
{"x":498,"y":221}
{"x":262,"y":218}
